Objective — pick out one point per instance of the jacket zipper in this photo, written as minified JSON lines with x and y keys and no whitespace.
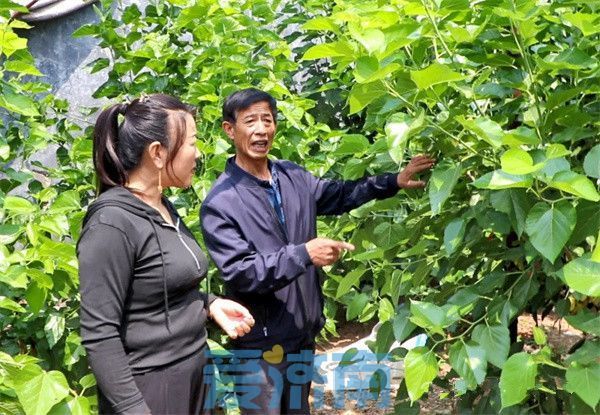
{"x":184,"y":244}
{"x":283,"y":232}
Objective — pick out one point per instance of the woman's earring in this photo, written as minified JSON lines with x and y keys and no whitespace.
{"x":160,"y":188}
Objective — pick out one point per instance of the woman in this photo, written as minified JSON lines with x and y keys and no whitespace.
{"x":142,"y":316}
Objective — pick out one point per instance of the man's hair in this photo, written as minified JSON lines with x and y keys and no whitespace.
{"x":243,"y":99}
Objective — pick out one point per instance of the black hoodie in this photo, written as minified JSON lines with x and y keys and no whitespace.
{"x":140,"y":304}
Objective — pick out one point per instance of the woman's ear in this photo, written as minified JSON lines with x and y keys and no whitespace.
{"x":157,"y":154}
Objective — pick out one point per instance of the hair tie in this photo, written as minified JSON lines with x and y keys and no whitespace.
{"x":122,"y":108}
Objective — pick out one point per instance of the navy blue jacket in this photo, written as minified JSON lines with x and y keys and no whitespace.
{"x":264,"y":264}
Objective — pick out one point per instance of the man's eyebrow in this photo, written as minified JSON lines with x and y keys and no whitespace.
{"x":257,"y":114}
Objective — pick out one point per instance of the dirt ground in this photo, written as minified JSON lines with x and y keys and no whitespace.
{"x":561,"y":337}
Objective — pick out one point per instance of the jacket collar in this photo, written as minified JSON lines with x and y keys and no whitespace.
{"x":241,"y":176}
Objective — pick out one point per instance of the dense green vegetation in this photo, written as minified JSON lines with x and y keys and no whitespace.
{"x":504,"y":93}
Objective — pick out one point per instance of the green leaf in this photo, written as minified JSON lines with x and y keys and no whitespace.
{"x":495,"y":340}
{"x":550,"y":226}
{"x":554,"y":151}
{"x":499,"y":179}
{"x":36,"y":297}
{"x":539,"y":336}
{"x":10,"y":233}
{"x":442,"y":182}
{"x":402,"y":325}
{"x":12,"y":6}
{"x":42,"y":278}
{"x":59,"y":250}
{"x":352,"y":144}
{"x":15,"y":276}
{"x":432,"y":317}
{"x":584,"y":381}
{"x":515,"y":204}
{"x":54,"y":328}
{"x":22,"y":67}
{"x":386,"y":310}
{"x":348,"y":357}
{"x":373,"y":40}
{"x":421,"y":367}
{"x":465,"y":300}
{"x":366,"y":66}
{"x":10,"y":42}
{"x":586,"y":321}
{"x":89,"y":380}
{"x":321,"y":23}
{"x":571,"y":58}
{"x":328,"y":50}
{"x":576,"y":184}
{"x":368,"y":70}
{"x":485,"y":129}
{"x":9,"y":304}
{"x":470,"y":362}
{"x":388,"y":235}
{"x":356,"y":306}
{"x":433,"y":75}
{"x":362,"y":95}
{"x":87,"y":30}
{"x":588,"y":353}
{"x":591,"y":163}
{"x":453,"y":235}
{"x":66,"y":202}
{"x":517,"y":161}
{"x":41,"y":392}
{"x":587,"y":23}
{"x":19,"y":206}
{"x":73,"y":349}
{"x":398,"y":130}
{"x":350,"y":280}
{"x":520,"y":136}
{"x":518,"y":376}
{"x":384,"y":339}
{"x":596,"y":252}
{"x":588,"y":221}
{"x":18,"y":103}
{"x":79,"y":405}
{"x":583,"y":276}
{"x":4,"y":151}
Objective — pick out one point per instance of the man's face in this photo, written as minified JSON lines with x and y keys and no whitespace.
{"x":253,"y":131}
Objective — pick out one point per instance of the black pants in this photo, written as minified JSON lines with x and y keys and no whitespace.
{"x":177,"y":389}
{"x":270,"y":388}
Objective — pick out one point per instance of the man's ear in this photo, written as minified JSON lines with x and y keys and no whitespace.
{"x":228,"y":128}
{"x":157,"y":154}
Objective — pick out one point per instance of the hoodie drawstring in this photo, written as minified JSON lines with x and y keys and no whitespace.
{"x":164,"y":274}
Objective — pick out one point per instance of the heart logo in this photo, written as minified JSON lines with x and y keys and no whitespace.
{"x":274,"y":356}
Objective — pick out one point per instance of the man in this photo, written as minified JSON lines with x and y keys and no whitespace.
{"x":259,"y":225}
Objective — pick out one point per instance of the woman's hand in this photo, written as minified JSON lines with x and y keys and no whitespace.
{"x":233,"y":318}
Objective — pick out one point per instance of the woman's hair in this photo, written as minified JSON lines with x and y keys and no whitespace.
{"x":118,"y":147}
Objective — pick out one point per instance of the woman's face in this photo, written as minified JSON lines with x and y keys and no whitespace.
{"x":180,"y":172}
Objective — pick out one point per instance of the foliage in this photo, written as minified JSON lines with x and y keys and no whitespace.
{"x":502,"y":92}
{"x":505,"y":93}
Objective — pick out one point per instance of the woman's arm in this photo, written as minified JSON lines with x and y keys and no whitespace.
{"x":106,"y":260}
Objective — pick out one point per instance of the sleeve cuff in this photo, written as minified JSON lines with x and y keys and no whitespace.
{"x":139,"y":407}
{"x":211,"y":298}
{"x":302,"y":255}
{"x":392,"y":181}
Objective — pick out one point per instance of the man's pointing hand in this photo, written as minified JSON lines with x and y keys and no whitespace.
{"x":323,"y":251}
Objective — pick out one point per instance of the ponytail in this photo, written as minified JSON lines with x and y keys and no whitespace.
{"x":109,"y":169}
